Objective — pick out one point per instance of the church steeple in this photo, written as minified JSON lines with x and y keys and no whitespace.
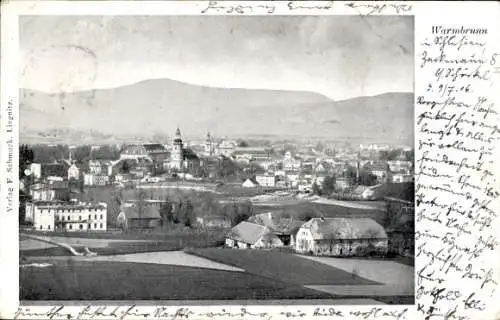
{"x":177,"y":155}
{"x":178,"y":137}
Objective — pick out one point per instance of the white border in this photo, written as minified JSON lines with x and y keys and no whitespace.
{"x":426,"y":14}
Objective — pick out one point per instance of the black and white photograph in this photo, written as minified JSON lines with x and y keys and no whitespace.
{"x":217,"y":158}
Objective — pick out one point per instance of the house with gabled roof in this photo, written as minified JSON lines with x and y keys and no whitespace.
{"x":285,"y":228}
{"x":341,"y":237}
{"x":250,"y":183}
{"x":139,"y":216}
{"x":248,"y":235}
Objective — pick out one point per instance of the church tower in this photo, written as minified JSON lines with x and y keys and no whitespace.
{"x":209,"y":146}
{"x":177,"y":152}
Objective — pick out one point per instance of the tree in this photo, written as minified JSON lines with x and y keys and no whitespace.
{"x":239,"y":212}
{"x":166,"y":212}
{"x":140,"y":203}
{"x":26,"y":157}
{"x":351,"y":175}
{"x":316,"y":189}
{"x":189,"y":218}
{"x":329,"y":185}
{"x":410,"y":155}
{"x":367,"y":178}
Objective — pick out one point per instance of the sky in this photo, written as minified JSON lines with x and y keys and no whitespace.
{"x":338,"y":56}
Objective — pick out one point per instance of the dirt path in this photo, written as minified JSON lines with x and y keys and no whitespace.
{"x":79,"y":242}
{"x":178,"y":258}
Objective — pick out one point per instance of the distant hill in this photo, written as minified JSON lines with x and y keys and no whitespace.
{"x":156,"y":107}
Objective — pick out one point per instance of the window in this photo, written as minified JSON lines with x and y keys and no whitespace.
{"x":81,"y":227}
{"x":40,"y":227}
{"x":95,"y":216}
{"x":48,"y":226}
{"x":62,"y":218}
{"x":89,"y":226}
{"x":69,"y":218}
{"x":95,"y":225}
{"x":71,"y":226}
{"x":79,"y":217}
{"x":90,"y":216}
{"x":101,"y":225}
{"x":101,"y":216}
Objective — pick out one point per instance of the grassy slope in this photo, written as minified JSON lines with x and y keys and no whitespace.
{"x":68,"y":280}
{"x":281,"y":266}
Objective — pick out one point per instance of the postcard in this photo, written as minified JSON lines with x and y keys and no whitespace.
{"x":249,"y":160}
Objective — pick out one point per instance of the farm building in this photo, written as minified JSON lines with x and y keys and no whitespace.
{"x":284,"y":228}
{"x":134,"y":216}
{"x":251,"y":235}
{"x":250,"y":183}
{"x":370,"y":192}
{"x":341,"y":237}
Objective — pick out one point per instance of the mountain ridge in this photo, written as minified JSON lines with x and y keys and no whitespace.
{"x":158,"y":106}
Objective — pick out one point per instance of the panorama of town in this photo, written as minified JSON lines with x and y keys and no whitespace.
{"x":247,"y":218}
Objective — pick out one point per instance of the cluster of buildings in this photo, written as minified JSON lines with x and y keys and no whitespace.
{"x":318,"y":236}
{"x":301,"y":173}
{"x":328,"y":236}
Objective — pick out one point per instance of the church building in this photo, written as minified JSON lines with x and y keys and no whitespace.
{"x":182,"y":159}
{"x":209,"y":146}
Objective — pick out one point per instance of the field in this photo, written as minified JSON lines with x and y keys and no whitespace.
{"x":202,"y":274}
{"x":303,"y":209}
{"x":281,"y":266}
{"x":125,"y":243}
{"x":68,"y":280}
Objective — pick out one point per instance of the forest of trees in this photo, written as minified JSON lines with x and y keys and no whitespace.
{"x":329,"y":184}
{"x":46,"y":154}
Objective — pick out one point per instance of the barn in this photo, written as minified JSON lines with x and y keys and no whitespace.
{"x":251,"y":235}
{"x":134,"y":216}
{"x":341,"y":237}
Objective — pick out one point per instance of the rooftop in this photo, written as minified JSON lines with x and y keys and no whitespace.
{"x":248,"y":232}
{"x":345,"y":228}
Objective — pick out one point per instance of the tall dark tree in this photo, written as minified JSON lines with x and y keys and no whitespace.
{"x":329,"y":185}
{"x":351,"y":175}
{"x":367,"y":178}
{"x":26,"y":157}
{"x":166,"y":212}
{"x":316,"y":189}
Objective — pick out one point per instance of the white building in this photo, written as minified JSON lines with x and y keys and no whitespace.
{"x":290,"y":162}
{"x":226,"y":148}
{"x":95,"y":167}
{"x":73,"y":172}
{"x":266,"y":180}
{"x":249,"y":183}
{"x":66,"y":216}
{"x":95,"y":180}
{"x":36,"y":170}
{"x":400,"y":166}
{"x":341,"y":237}
{"x":401,"y":177}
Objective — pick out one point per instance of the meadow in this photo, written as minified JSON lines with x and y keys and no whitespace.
{"x":70,"y":280}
